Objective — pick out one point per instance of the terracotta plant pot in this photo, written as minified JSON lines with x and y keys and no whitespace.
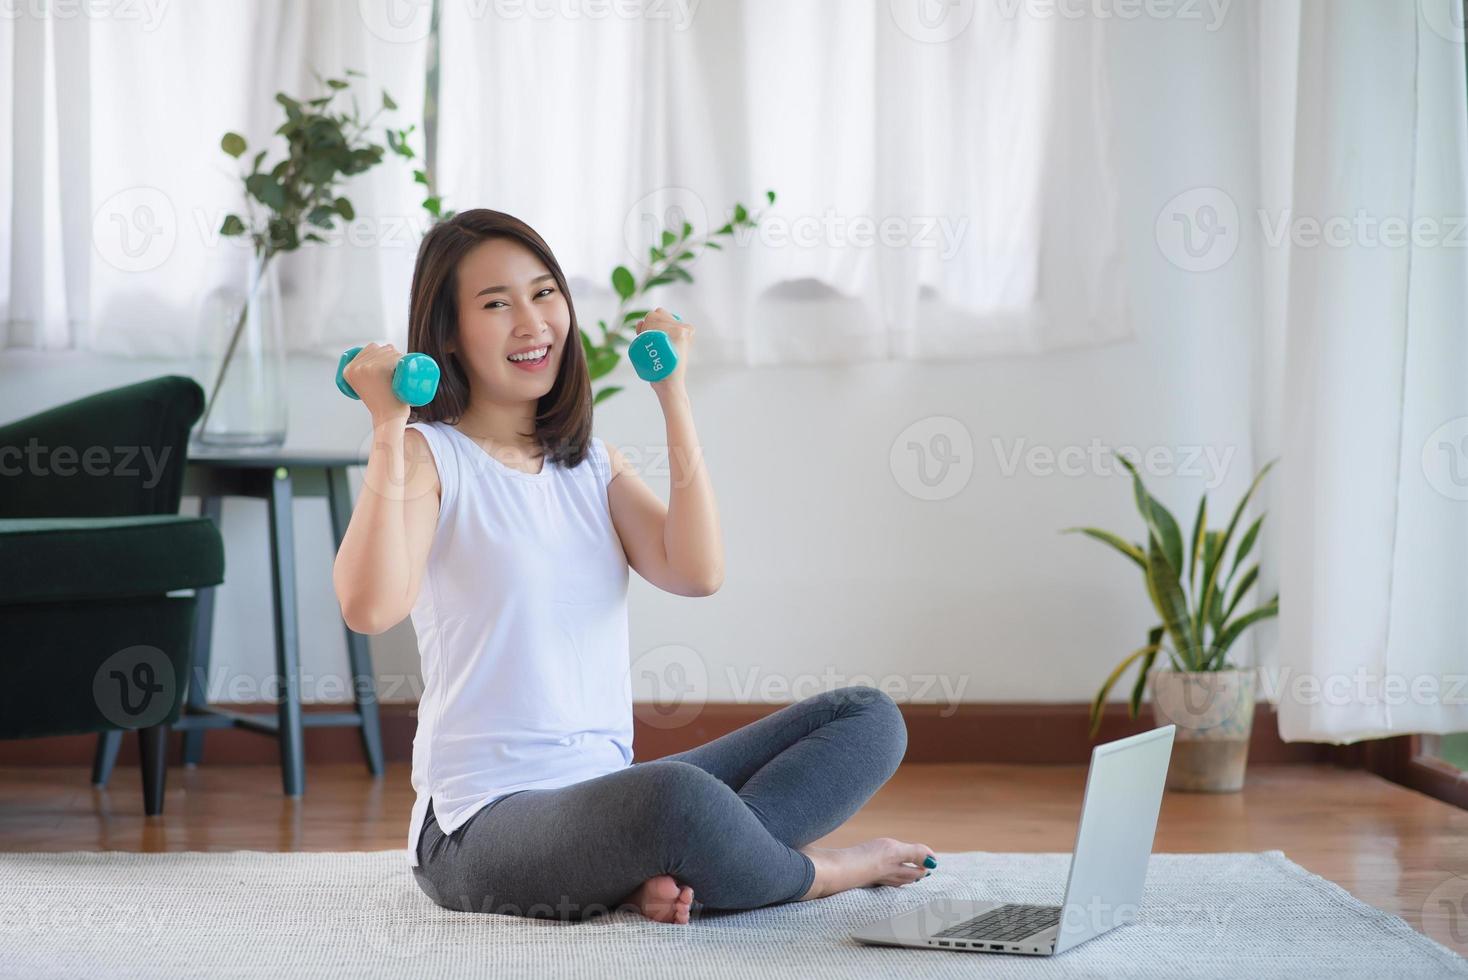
{"x":1214,"y":715}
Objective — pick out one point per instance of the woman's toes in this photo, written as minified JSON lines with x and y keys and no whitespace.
{"x":921,"y":855}
{"x":917,"y":863}
{"x":910,"y":874}
{"x":657,"y":899}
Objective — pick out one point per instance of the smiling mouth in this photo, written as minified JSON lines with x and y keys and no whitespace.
{"x":536,"y":356}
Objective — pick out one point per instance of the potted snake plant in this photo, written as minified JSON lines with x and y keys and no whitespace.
{"x":1201,"y":608}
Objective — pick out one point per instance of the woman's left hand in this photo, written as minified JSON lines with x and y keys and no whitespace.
{"x":680,"y":334}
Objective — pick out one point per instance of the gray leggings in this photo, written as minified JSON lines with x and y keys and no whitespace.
{"x":725,"y":818}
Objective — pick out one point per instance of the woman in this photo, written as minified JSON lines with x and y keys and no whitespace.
{"x":505,"y":529}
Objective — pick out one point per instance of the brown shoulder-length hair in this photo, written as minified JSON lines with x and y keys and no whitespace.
{"x":563,"y":414}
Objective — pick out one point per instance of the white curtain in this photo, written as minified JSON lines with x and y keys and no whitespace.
{"x":113,"y":185}
{"x":1373,"y":501}
{"x":945,"y":183}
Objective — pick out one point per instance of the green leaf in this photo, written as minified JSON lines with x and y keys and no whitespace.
{"x":680,"y":273}
{"x":266,"y":190}
{"x":770,"y":196}
{"x":1212,"y":555}
{"x":1232,"y":631}
{"x":1210,"y":575}
{"x":1132,"y":551}
{"x":319,"y":170}
{"x":740,"y":214}
{"x":321,"y":216}
{"x":397,"y":141}
{"x":350,"y":72}
{"x":1199,"y":524}
{"x":1239,"y":510}
{"x":255,"y":165}
{"x":687,"y":229}
{"x":345,"y":209}
{"x":1171,"y":539}
{"x":336,"y":83}
{"x":433,"y":205}
{"x":232,"y":225}
{"x":1099,"y":701}
{"x":728,"y":229}
{"x":1139,"y":492}
{"x":606,"y":392}
{"x":233,"y":144}
{"x":1154,"y":639}
{"x":1246,"y":545}
{"x":1159,"y":519}
{"x":714,"y":245}
{"x":1168,"y":598}
{"x":1244,"y":583}
{"x":586,"y":347}
{"x":634,"y":316}
{"x":623,"y":282}
{"x":281,"y":235}
{"x":668,"y":238}
{"x":601,"y":362}
{"x":387,"y":102}
{"x":655,"y":254}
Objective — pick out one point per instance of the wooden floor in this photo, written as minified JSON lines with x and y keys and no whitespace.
{"x":1391,"y":847}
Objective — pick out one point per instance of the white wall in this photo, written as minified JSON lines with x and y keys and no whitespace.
{"x":833,"y":569}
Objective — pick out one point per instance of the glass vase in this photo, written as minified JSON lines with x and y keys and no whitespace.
{"x":245,"y":382}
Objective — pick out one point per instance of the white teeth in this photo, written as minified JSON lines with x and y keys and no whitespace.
{"x":533,"y":355}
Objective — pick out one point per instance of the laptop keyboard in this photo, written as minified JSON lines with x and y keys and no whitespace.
{"x":1007,"y":923}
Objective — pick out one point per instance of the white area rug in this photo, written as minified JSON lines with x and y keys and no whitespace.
{"x":360,"y":914}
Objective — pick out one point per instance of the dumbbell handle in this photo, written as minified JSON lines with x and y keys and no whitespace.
{"x":414,"y":377}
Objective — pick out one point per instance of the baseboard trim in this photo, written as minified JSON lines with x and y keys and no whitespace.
{"x":1027,"y":733}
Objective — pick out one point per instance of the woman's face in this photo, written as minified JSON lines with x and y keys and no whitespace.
{"x":509,"y":303}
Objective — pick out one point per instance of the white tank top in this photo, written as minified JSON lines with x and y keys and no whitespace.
{"x":522,"y":630}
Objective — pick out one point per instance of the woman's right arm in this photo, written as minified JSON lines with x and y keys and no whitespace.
{"x":379,"y":567}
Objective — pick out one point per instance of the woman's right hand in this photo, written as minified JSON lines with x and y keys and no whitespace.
{"x":370,"y":375}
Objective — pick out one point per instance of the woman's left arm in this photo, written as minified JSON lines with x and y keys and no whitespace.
{"x":677,"y":546}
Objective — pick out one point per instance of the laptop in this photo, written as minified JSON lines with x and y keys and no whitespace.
{"x":1107,"y":870}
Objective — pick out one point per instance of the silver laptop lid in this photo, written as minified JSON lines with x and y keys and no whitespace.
{"x":1118,"y":821}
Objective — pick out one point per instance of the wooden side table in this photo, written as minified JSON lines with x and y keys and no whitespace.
{"x":277,"y":477}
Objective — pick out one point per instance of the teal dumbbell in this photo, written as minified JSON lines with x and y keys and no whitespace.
{"x":414,"y":379}
{"x":652,"y":354}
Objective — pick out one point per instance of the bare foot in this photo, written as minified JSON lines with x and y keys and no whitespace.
{"x":661,"y":900}
{"x":875,"y":862}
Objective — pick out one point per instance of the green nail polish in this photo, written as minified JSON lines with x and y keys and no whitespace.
{"x":928,"y":862}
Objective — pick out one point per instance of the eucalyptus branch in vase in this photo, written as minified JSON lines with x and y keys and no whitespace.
{"x":668,"y":263}
{"x":397,"y":141}
{"x":285,"y":204}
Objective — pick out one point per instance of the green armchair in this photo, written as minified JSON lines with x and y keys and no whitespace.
{"x":95,"y":568}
